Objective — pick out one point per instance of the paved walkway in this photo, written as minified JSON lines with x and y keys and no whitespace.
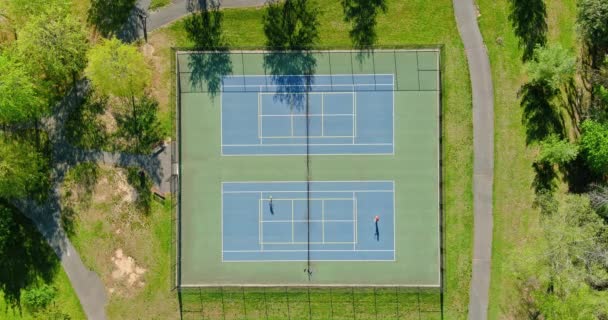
{"x":483,"y":144}
{"x":180,"y":8}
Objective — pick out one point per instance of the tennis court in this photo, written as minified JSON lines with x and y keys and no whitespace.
{"x":348,"y":114}
{"x":309,"y":169}
{"x":286,"y":221}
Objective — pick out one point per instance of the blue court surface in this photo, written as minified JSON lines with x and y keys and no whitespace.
{"x":347,"y":114}
{"x":334,"y":221}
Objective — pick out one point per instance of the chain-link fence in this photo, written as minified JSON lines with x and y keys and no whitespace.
{"x":311,"y":303}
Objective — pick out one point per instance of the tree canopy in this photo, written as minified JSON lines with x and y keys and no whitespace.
{"x":553,"y":65}
{"x":362,"y":15}
{"x":18,"y":98}
{"x":22,"y":168}
{"x":593,"y":27}
{"x":118,"y":69}
{"x":556,"y":151}
{"x":562,"y":276}
{"x":594,"y":145}
{"x":53,"y":47}
{"x":290,"y":25}
{"x":18,"y":12}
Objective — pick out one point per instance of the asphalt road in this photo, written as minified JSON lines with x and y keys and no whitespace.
{"x":483,"y":145}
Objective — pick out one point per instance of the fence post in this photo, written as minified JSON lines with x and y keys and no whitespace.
{"x":287,"y":297}
{"x":375,"y":304}
{"x":309,"y":306}
{"x":352,"y":293}
{"x":223,"y":309}
{"x":265,"y":302}
{"x":397,"y":299}
{"x":331,"y":304}
{"x":244,"y":303}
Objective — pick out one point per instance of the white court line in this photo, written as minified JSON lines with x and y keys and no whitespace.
{"x":321,"y":191}
{"x":306,"y":199}
{"x":322,"y":115}
{"x":292,"y":223}
{"x":300,"y":137}
{"x":316,"y":181}
{"x":310,"y":115}
{"x":259,"y":117}
{"x":354,"y":112}
{"x":303,"y":85}
{"x":310,"y":144}
{"x":355,"y":223}
{"x":318,"y":75}
{"x":311,"y":242}
{"x":316,"y":250}
{"x":261,"y":225}
{"x":356,"y":217}
{"x":302,"y":221}
{"x":322,"y":221}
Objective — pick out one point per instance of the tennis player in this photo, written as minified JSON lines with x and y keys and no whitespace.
{"x":270,"y":204}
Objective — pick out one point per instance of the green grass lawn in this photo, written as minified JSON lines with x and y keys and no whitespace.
{"x":406,"y":23}
{"x":156,"y":4}
{"x":515,"y":218}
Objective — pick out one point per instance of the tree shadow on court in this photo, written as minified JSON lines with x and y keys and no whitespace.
{"x":362,"y":15}
{"x":204,"y":28}
{"x":292,"y":72}
{"x":528,"y":18}
{"x":25,"y":257}
{"x":541,"y":117}
{"x":291,"y":32}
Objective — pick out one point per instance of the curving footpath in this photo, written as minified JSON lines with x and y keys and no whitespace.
{"x":483,"y":145}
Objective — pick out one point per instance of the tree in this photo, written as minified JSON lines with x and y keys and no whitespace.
{"x":594,"y":146}
{"x":38,"y":298}
{"x":142,"y":124}
{"x":528,"y":18}
{"x":118,"y":69}
{"x":18,"y":99}
{"x":553,"y":65}
{"x":204,"y":27}
{"x":290,"y":25}
{"x":22,"y":169}
{"x":17,"y":13}
{"x":108,"y":17}
{"x":362,"y":15}
{"x":562,"y":273}
{"x":592,"y":23}
{"x":556,"y":151}
{"x":53,"y":47}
